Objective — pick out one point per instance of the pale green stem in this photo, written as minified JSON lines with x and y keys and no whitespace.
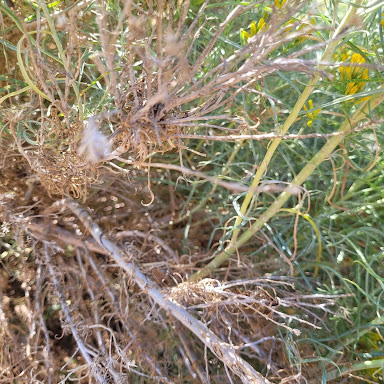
{"x":224,"y":171}
{"x":356,"y":336}
{"x":360,"y":182}
{"x":361,"y":366}
{"x":62,"y":55}
{"x":322,"y":155}
{"x":24,"y":71}
{"x":327,"y":56}
{"x":2,"y":99}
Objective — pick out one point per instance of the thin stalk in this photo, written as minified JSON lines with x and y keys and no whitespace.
{"x":356,"y":336}
{"x":346,"y":22}
{"x":2,"y":99}
{"x":24,"y":71}
{"x":62,"y":55}
{"x":222,"y":350}
{"x":224,"y":171}
{"x":360,"y":182}
{"x":361,"y":366}
{"x":322,"y":155}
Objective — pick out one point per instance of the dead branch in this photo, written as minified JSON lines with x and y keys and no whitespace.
{"x":266,"y":136}
{"x":225,"y":352}
{"x":150,"y":237}
{"x":62,"y":236}
{"x":79,"y":341}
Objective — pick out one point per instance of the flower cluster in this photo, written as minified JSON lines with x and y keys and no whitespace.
{"x":355,"y":78}
{"x":253,"y":30}
{"x":311,"y":115}
{"x":280,"y":3}
{"x":302,"y":27}
{"x":262,"y":24}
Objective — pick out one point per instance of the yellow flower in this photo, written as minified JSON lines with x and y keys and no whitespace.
{"x":355,"y":77}
{"x":254,"y":29}
{"x":299,"y":27}
{"x":289,"y":25}
{"x":244,"y":35}
{"x":260,"y":25}
{"x":280,"y":3}
{"x":311,"y":115}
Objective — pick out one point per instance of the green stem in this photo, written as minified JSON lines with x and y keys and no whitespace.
{"x":204,"y":201}
{"x":322,"y":155}
{"x":235,"y":240}
{"x":356,"y":336}
{"x":2,"y":99}
{"x":62,"y":54}
{"x":327,"y":56}
{"x":24,"y":71}
{"x":362,"y":366}
{"x":361,"y":182}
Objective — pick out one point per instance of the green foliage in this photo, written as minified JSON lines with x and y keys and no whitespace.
{"x":319,"y":78}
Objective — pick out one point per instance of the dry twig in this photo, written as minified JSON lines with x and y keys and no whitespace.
{"x":225,"y":352}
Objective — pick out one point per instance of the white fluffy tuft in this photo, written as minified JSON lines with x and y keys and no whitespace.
{"x":94,"y":145}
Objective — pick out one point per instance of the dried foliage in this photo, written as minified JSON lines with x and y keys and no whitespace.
{"x":82,"y":314}
{"x":163,"y":79}
{"x":108,"y":313}
{"x":110,"y":291}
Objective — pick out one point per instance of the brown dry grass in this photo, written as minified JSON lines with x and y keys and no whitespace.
{"x":69,"y":312}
